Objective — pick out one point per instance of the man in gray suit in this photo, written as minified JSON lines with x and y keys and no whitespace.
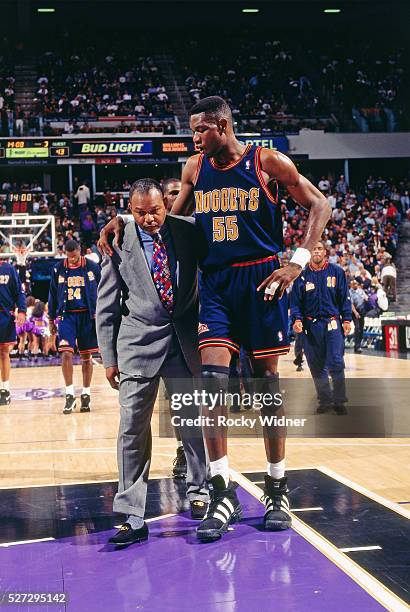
{"x":147,"y":326}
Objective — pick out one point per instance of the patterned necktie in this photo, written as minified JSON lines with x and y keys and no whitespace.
{"x":161,"y":273}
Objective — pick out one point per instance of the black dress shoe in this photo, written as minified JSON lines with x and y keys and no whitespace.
{"x":323,"y":408}
{"x":198,"y":509}
{"x":127,"y":535}
{"x":358,"y":351}
{"x":340,"y":409}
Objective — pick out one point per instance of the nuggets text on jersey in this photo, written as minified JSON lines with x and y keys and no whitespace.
{"x":234,"y":204}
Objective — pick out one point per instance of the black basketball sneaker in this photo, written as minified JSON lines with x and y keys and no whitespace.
{"x":224,"y":508}
{"x":69,"y":404}
{"x":85,"y":403}
{"x":5,"y":397}
{"x":277,"y":513}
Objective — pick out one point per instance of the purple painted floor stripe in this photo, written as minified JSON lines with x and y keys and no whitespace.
{"x":247,"y":570}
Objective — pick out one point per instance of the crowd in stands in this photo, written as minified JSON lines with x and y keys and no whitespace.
{"x":95,"y":84}
{"x":80,"y":87}
{"x":164,"y":126}
{"x":272,"y":85}
{"x":286,"y":84}
{"x":7,"y":87}
{"x":361,"y":236}
{"x":6,"y":90}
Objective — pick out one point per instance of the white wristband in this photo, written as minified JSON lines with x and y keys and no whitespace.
{"x":301,"y":257}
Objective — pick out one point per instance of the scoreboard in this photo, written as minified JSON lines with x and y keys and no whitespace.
{"x":20,"y":202}
{"x":128,"y":149}
{"x":21,"y":149}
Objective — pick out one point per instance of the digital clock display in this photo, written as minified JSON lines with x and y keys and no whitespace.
{"x":19,"y":202}
{"x":35,"y":149}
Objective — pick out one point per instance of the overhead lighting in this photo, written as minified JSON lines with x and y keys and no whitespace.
{"x":46,"y":10}
{"x":331,"y":11}
{"x":250,"y":10}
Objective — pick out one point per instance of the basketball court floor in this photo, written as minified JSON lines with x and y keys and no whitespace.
{"x":349,"y":546}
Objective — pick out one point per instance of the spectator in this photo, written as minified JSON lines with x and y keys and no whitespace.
{"x":392,"y":213}
{"x":83,"y":195}
{"x":378,"y":301}
{"x":324,"y":185}
{"x":87,"y":228}
{"x":359,"y":307}
{"x":405,"y":202}
{"x":341,"y":185}
{"x":388,"y":278}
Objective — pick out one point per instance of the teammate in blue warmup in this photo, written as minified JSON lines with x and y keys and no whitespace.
{"x":11,"y":297}
{"x":71,"y":303}
{"x":321,"y":310}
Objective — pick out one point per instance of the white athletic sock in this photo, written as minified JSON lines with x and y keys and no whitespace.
{"x":5,"y":385}
{"x":276,"y":470}
{"x":86,"y":391}
{"x":179,"y":444}
{"x":69,"y":390}
{"x":221,"y":467}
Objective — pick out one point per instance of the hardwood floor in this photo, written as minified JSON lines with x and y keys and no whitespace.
{"x":39,"y":445}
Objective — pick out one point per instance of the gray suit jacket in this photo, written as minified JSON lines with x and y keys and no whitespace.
{"x":134,"y":329}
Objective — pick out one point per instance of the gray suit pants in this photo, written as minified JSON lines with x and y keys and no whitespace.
{"x":137,"y":398}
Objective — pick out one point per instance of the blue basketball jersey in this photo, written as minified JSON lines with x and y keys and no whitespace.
{"x":76,"y":299}
{"x":236,"y":212}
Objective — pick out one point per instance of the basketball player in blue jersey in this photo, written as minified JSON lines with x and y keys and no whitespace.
{"x":232,"y":189}
{"x":11,"y":297}
{"x":72,"y":304}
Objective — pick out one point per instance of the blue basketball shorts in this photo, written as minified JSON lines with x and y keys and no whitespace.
{"x":76,"y":328}
{"x":8,"y":335}
{"x":233,"y":314}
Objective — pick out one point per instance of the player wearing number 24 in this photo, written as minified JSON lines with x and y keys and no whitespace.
{"x":72,"y":304}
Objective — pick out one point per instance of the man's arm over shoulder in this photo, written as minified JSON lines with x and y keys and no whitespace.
{"x":184,"y":203}
{"x":108,"y":313}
